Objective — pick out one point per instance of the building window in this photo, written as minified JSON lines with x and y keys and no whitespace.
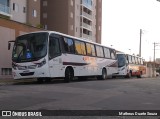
{"x":71,"y":2}
{"x":6,"y":71}
{"x":71,"y":14}
{"x":24,"y":9}
{"x":45,"y":3}
{"x":15,"y":7}
{"x":99,"y":28}
{"x":44,"y":15}
{"x":45,"y":27}
{"x":71,"y":27}
{"x":34,"y":14}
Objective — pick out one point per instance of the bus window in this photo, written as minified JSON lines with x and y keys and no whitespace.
{"x":133,"y":59}
{"x":113,"y":55}
{"x":130,"y":58}
{"x":68,"y":45}
{"x":93,"y":50}
{"x":90,"y":49}
{"x":139,"y":60}
{"x":107,"y":53}
{"x":99,"y":51}
{"x":80,"y":48}
{"x":136,"y":60}
{"x":121,"y":60}
{"x":127,"y":59}
{"x":54,"y":49}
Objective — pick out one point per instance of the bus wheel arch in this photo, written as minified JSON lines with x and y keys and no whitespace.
{"x":69,"y":74}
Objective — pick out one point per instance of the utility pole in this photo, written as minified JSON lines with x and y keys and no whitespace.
{"x":154,"y":65}
{"x":154,"y":52}
{"x":140,"y":43}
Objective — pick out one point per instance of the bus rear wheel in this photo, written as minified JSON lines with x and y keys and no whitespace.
{"x":140,"y":75}
{"x":69,"y":75}
{"x":103,"y":76}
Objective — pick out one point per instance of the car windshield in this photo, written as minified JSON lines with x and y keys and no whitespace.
{"x":121,"y":60}
{"x":30,"y":47}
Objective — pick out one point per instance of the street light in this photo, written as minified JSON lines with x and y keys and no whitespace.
{"x":130,"y":51}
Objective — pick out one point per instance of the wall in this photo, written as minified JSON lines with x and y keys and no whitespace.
{"x":9,"y":30}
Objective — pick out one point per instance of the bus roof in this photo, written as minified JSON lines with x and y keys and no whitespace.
{"x":127,"y":54}
{"x":67,"y":36}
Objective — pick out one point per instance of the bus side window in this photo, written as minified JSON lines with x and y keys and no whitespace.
{"x":107,"y":53}
{"x":127,"y":59}
{"x":54,"y":49}
{"x":80,"y":47}
{"x":99,"y":51}
{"x":113,"y":56}
{"x":68,"y":45}
{"x":133,"y":59}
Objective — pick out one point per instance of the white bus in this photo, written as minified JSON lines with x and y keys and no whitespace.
{"x":130,"y":65}
{"x":48,"y":54}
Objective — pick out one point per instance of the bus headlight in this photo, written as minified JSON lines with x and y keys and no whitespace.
{"x":42,"y":63}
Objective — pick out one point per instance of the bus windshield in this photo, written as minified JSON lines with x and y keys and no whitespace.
{"x":30,"y":47}
{"x":121,"y":60}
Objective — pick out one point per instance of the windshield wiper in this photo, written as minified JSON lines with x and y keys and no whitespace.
{"x":23,"y":46}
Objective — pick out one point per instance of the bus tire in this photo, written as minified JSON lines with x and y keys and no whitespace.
{"x":47,"y":80}
{"x":103,"y":76}
{"x":69,"y":75}
{"x":40,"y":80}
{"x":140,"y":76}
{"x":129,"y":75}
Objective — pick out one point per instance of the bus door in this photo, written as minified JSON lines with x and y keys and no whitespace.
{"x":54,"y":54}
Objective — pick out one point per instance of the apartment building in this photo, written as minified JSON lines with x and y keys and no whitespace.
{"x":23,"y":11}
{"x":80,"y":18}
{"x":14,"y":10}
{"x":33,"y":12}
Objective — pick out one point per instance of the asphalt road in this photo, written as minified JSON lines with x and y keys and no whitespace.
{"x":110,"y":94}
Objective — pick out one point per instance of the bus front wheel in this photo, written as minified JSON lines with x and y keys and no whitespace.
{"x":40,"y":80}
{"x":69,"y":75}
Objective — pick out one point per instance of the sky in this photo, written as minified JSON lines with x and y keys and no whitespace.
{"x":121,"y":24}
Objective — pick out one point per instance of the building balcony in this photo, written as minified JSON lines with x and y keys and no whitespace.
{"x":87,"y":37}
{"x":87,"y":26}
{"x":5,"y":10}
{"x":86,"y":15}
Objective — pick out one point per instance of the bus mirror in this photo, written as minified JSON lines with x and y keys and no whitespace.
{"x":9,"y":45}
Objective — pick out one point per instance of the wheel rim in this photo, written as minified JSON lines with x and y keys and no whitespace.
{"x":103,"y":74}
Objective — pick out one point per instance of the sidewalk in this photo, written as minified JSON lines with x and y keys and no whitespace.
{"x":11,"y":80}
